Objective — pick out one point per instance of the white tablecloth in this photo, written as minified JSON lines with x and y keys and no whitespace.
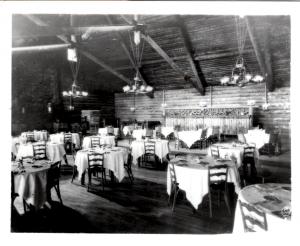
{"x":227,"y":150}
{"x":127,"y":130}
{"x":167,"y":131}
{"x":103,"y":131}
{"x":38,"y":135}
{"x":190,"y":137}
{"x":59,"y":138}
{"x":54,"y":152}
{"x":193,"y":179}
{"x":138,"y":134}
{"x":258,"y":137}
{"x":255,"y":194}
{"x":31,"y":185}
{"x":109,"y":140}
{"x":113,"y":160}
{"x":138,"y":149}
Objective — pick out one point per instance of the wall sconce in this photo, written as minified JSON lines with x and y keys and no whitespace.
{"x":49,"y":107}
{"x":23,"y":110}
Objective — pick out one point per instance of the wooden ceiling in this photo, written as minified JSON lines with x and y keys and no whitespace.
{"x":180,"y":51}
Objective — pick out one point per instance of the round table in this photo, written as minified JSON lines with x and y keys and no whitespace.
{"x":114,"y":160}
{"x":138,"y":149}
{"x":59,"y":138}
{"x":31,"y":184}
{"x":273,"y":199}
{"x":54,"y":151}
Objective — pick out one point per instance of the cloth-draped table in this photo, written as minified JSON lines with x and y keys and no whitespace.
{"x":192,"y":177}
{"x":108,"y":140}
{"x":166,"y":131}
{"x":59,"y":138}
{"x":139,"y":133}
{"x":273,"y":199}
{"x":138,"y":149}
{"x":259,"y":137}
{"x":190,"y":137}
{"x":31,"y":184}
{"x":114,"y":160}
{"x":54,"y":152}
{"x":38,"y":135}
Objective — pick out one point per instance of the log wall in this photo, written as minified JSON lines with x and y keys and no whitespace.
{"x":277,"y":117}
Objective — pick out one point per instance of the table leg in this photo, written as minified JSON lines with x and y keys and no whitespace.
{"x":112,"y":176}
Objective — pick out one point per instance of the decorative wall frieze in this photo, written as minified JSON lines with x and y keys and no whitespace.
{"x":242,"y":112}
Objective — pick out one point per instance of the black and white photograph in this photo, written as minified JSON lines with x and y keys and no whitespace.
{"x":174,"y":119}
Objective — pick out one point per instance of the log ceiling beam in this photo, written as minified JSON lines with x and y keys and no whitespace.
{"x":127,"y":52}
{"x":263,"y":55}
{"x":200,"y":82}
{"x":165,"y":56}
{"x":88,"y":55}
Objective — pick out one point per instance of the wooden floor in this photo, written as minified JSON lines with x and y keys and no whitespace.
{"x":123,"y":208}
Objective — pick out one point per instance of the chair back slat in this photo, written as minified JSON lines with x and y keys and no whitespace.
{"x":214,"y":151}
{"x":95,"y":160}
{"x":39,"y":151}
{"x":67,"y":137}
{"x":149,"y":147}
{"x":249,"y":152}
{"x":30,"y":137}
{"x":95,"y":142}
{"x":217,"y":174}
{"x":252,"y":217}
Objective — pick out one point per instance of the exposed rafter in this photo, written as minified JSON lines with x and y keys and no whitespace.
{"x":126,"y":50}
{"x":96,"y":60}
{"x":200,"y":79}
{"x":263,"y":57}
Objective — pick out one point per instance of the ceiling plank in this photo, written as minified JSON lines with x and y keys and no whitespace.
{"x":200,"y":80}
{"x":126,"y":50}
{"x":39,"y":48}
{"x":38,"y":21}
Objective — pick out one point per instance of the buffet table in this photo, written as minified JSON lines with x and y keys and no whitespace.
{"x":273,"y":199}
{"x":192,"y":176}
{"x":138,"y":149}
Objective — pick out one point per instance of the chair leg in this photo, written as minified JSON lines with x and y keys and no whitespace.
{"x":24,"y":206}
{"x":210,"y":205}
{"x":174,"y":199}
{"x":57,"y":189}
{"x":171,"y":192}
{"x":74,"y":173}
{"x":227,"y":202}
{"x":89,"y":181}
{"x":103,"y":177}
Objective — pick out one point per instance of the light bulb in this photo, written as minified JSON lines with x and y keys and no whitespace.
{"x":149,"y":88}
{"x":65,"y":93}
{"x":248,"y":77}
{"x":142,"y":88}
{"x":84,"y":93}
{"x":224,"y":80}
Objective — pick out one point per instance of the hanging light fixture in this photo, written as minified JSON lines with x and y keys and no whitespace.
{"x":239,"y":74}
{"x":74,"y":60}
{"x":49,"y":107}
{"x":137,"y":86}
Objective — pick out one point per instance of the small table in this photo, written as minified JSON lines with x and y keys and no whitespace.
{"x":108,"y":140}
{"x":54,"y":151}
{"x":192,"y":177}
{"x":138,"y":149}
{"x":273,"y":199}
{"x":31,"y":184}
{"x":59,"y":138}
{"x":114,"y":160}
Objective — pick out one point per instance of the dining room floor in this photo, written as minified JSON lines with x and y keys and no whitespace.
{"x":140,"y":207}
{"x":123,"y":207}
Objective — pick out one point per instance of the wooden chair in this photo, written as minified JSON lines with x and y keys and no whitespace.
{"x":95,"y":142}
{"x":217,"y":181}
{"x":249,"y":159}
{"x":214,"y":151}
{"x":252,"y":217}
{"x":29,"y":137}
{"x":39,"y":151}
{"x":95,"y":165}
{"x":69,"y":145}
{"x":149,"y":152}
{"x":53,"y":181}
{"x":127,"y":167}
{"x":174,"y":185}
